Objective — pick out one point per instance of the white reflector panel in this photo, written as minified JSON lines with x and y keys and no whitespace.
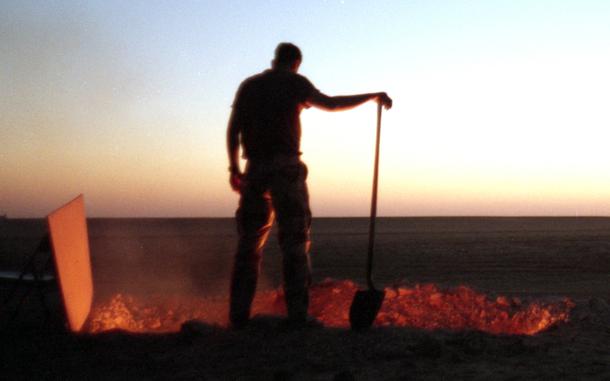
{"x":70,"y":243}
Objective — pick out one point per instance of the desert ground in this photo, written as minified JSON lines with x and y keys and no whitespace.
{"x":532,"y":260}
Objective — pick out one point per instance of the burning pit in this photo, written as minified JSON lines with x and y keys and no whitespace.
{"x":423,"y":306}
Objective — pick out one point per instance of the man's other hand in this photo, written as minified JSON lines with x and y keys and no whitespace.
{"x":237,"y":181}
{"x":384,"y":100}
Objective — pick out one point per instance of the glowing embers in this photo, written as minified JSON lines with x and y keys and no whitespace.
{"x":156,"y":314}
{"x":425,"y":306}
{"x":462,"y":308}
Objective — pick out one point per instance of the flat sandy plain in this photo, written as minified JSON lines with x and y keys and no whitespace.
{"x":530,"y":258}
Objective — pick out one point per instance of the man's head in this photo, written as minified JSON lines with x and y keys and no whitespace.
{"x":287,"y":56}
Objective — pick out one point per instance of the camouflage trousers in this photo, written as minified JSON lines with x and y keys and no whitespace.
{"x":273,"y":190}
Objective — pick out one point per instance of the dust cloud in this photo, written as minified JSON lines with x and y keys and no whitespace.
{"x":152,"y":257}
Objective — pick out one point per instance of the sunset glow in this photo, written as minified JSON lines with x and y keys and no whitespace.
{"x":500,"y":108}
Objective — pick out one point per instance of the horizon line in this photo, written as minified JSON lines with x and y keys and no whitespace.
{"x":326,"y":217}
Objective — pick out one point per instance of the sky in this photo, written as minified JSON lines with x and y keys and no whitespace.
{"x":500,"y":107}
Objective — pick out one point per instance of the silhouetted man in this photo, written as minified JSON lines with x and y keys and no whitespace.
{"x":265,"y":120}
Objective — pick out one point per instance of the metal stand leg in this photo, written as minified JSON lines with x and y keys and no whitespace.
{"x":32,"y":276}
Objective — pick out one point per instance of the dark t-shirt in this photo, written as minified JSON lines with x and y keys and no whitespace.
{"x":267,"y":108}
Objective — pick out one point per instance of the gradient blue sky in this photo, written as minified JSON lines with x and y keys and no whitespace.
{"x":501,"y":107}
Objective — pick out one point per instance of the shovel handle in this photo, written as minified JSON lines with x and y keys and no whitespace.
{"x":369,"y":262}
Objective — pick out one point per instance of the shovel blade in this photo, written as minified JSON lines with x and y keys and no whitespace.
{"x":364,"y":308}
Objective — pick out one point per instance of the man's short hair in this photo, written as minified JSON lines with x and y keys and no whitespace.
{"x":287,"y":53}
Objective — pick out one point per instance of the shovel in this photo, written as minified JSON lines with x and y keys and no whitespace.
{"x":366,"y":303}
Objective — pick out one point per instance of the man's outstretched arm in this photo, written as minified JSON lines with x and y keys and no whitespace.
{"x":346,"y":102}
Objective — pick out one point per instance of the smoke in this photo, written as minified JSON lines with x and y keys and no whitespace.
{"x":188,"y":257}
